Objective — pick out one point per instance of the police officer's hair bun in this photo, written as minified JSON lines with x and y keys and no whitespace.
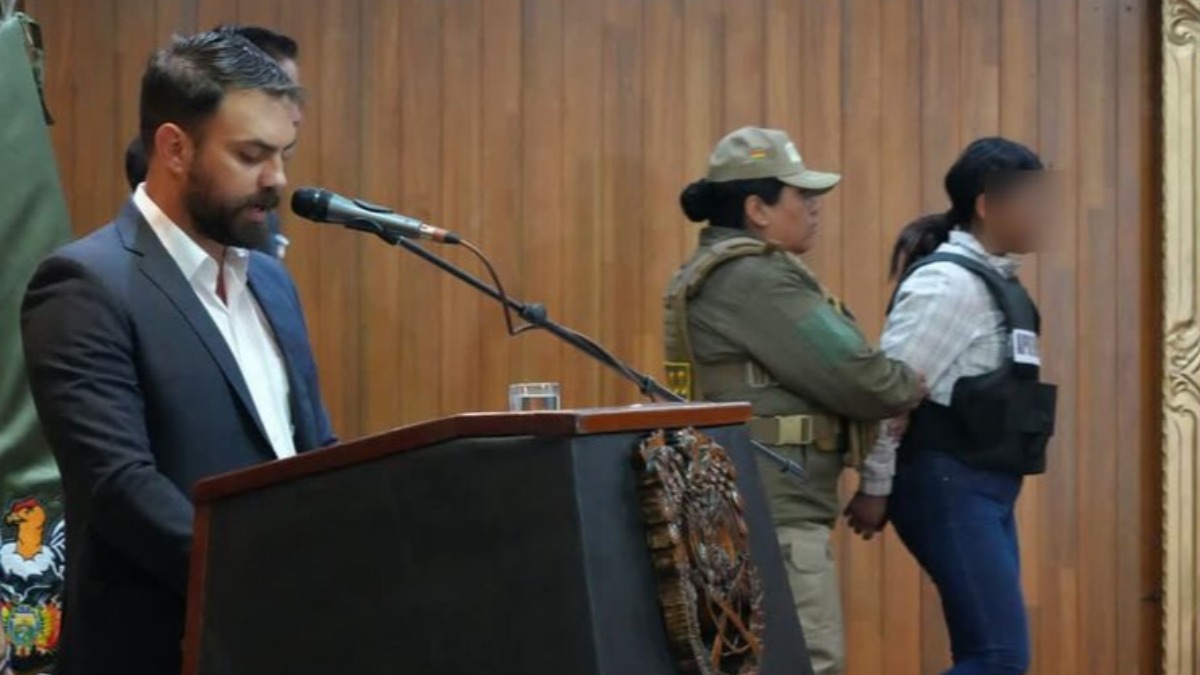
{"x":724,"y":204}
{"x":698,"y":201}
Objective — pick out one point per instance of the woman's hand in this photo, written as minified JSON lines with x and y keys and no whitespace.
{"x":866,"y":515}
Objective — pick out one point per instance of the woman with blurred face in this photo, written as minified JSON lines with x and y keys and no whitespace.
{"x":961,"y":317}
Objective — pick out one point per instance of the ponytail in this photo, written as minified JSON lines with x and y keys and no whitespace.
{"x":920,"y":238}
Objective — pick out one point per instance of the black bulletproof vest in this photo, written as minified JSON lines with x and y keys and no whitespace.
{"x":998,"y":421}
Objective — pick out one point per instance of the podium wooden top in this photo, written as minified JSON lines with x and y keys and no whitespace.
{"x":552,"y":424}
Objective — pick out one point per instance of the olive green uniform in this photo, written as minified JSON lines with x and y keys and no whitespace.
{"x":748,"y":322}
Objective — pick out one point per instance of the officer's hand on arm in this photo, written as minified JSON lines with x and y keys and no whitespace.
{"x":812,"y":350}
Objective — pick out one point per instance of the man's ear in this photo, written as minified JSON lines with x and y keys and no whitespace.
{"x":174,"y":148}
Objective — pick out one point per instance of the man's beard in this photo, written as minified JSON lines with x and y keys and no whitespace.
{"x":227,"y":222}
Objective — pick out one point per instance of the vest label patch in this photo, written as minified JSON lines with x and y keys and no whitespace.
{"x":1025,"y":348}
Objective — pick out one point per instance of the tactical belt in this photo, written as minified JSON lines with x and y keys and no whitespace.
{"x":819,"y":431}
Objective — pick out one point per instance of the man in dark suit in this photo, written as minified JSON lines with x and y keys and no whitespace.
{"x":285,"y":51}
{"x":162,"y":351}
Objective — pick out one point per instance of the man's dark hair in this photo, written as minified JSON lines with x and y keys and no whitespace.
{"x":135,"y":163}
{"x":277,"y":45}
{"x":185,"y":82}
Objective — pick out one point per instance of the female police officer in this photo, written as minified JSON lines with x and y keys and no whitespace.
{"x":747,"y":321}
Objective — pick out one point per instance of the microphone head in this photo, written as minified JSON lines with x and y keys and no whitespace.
{"x":311,"y":203}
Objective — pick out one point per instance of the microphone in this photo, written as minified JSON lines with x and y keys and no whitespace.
{"x":323,"y":206}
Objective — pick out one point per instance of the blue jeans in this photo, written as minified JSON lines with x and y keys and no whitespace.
{"x":959,"y":524}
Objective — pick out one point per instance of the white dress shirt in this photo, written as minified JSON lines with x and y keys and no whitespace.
{"x":239,"y":318}
{"x":944,"y":325}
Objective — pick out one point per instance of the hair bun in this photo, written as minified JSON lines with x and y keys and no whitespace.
{"x":697,"y":201}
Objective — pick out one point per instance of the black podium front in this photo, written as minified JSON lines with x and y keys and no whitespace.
{"x":497,"y":544}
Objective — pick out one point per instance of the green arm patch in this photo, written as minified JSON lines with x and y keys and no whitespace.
{"x":831,"y":337}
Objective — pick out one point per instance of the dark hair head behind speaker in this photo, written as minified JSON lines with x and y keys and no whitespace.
{"x":277,"y":45}
{"x":990,"y":174}
{"x":135,"y":163}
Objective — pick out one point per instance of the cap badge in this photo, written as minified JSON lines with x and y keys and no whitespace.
{"x":792,"y":153}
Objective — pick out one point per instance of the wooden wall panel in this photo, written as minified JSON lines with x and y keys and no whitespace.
{"x":137,"y":36}
{"x":901,"y":581}
{"x":941,"y":141}
{"x":557,"y":134}
{"x":583,"y":31}
{"x":1097,"y":377}
{"x":539,"y":266}
{"x":462,"y":42}
{"x":862,"y":121}
{"x":501,"y":188}
{"x":335,"y":65}
{"x":381,"y":268}
{"x":1139,"y":592}
{"x":1019,"y":41}
{"x":1058,"y":294}
{"x":624,"y":293}
{"x":819,"y":138}
{"x":664,"y":164}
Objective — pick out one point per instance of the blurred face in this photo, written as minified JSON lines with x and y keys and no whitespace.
{"x":1014,"y":219}
{"x":791,"y":222}
{"x":236,"y":173}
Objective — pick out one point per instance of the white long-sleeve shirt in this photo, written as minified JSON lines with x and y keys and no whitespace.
{"x":944,"y":325}
{"x":239,"y":319}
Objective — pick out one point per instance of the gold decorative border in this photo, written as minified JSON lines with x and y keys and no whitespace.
{"x":1181,"y":334}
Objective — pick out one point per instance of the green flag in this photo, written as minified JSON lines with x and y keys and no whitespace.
{"x":33,"y":221}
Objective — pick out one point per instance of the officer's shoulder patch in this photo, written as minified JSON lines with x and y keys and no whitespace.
{"x":830,"y":335}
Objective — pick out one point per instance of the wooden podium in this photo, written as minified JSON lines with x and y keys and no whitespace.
{"x":489,"y":544}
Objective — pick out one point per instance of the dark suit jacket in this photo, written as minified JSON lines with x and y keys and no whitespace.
{"x":140,"y":398}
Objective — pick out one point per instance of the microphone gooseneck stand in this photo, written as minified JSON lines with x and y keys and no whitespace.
{"x":535,"y":315}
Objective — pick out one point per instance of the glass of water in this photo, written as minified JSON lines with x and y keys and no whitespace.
{"x":530,"y":396}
